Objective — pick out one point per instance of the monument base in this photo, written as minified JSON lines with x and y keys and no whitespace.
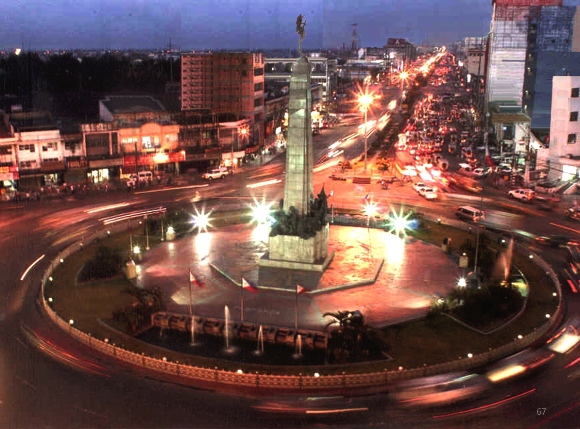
{"x":296,"y":250}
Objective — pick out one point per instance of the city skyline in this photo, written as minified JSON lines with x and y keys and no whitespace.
{"x":235,"y":24}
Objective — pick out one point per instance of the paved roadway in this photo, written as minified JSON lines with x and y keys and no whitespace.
{"x":41,"y":391}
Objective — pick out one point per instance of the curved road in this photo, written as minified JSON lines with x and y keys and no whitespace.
{"x":75,"y":389}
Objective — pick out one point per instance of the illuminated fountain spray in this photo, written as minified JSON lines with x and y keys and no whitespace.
{"x":260,"y":344}
{"x":298,"y":348}
{"x":508,"y":259}
{"x":227,"y":327}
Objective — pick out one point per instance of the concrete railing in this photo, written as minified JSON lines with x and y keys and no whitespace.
{"x":266,"y":383}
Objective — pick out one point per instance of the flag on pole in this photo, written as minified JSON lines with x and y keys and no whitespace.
{"x":367,"y":197}
{"x":248,"y":286}
{"x":331,"y":193}
{"x":300,"y":289}
{"x":193,"y":279}
{"x":488,"y":159}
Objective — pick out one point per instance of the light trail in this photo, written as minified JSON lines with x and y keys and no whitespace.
{"x":131,"y":215}
{"x":487,"y":406}
{"x":266,"y":183}
{"x":105,"y":208}
{"x":31,"y":265}
{"x":571,"y":364}
{"x":565,"y":227}
{"x":178,"y":188}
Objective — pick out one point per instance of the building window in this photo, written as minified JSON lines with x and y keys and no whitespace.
{"x":257,"y":102}
{"x":573,"y":116}
{"x":571,"y":138}
{"x":575,"y":93}
{"x":27,"y":147}
{"x":258,"y":86}
{"x":258,"y":71}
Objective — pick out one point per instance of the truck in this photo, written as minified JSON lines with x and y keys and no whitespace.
{"x":215,"y":173}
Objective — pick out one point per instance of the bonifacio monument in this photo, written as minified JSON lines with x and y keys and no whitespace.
{"x":299,"y":237}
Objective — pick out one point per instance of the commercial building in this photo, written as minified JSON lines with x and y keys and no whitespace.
{"x":226,"y":83}
{"x":531,"y":41}
{"x":563,"y":156}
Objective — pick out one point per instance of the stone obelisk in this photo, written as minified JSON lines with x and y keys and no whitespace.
{"x":299,"y":184}
{"x":299,"y":239}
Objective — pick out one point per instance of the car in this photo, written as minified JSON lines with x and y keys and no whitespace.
{"x":521,"y":194}
{"x":216,"y":173}
{"x":480,"y":173}
{"x":430,"y":194}
{"x":419,"y":185}
{"x":556,"y":241}
{"x":572,"y":213}
{"x":469,"y":213}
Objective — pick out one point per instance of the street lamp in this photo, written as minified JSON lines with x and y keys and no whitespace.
{"x":402,"y":77}
{"x":365,"y":101}
{"x":242,"y":131}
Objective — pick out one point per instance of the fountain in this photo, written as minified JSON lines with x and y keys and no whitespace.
{"x":192,"y":329}
{"x":508,"y":259}
{"x":298,"y":349}
{"x":260,"y":343}
{"x":227,"y":327}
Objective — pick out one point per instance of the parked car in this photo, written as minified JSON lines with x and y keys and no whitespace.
{"x":522,"y":194}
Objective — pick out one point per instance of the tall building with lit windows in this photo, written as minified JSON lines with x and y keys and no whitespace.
{"x":530,"y":42}
{"x":225,"y":82}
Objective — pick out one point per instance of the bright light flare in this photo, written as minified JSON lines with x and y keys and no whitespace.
{"x":399,"y":223}
{"x":201,"y":220}
{"x":370,"y":209}
{"x":262,"y":212}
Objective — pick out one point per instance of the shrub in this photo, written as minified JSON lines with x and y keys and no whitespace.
{"x":106,"y":263}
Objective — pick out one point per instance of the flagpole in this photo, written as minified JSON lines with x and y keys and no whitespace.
{"x":189,"y":288}
{"x":242,"y":297}
{"x":296,"y":311}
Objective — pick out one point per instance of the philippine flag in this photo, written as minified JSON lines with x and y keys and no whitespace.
{"x":300,"y":289}
{"x":193,"y":280}
{"x":246,"y":285}
{"x":488,"y":159}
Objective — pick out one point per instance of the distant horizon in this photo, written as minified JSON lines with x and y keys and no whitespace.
{"x":250,"y":25}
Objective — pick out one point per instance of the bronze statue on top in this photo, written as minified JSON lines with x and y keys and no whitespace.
{"x":302,"y":225}
{"x":300,"y":24}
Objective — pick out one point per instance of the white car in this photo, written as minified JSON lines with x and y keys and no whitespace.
{"x":521,"y":194}
{"x":419,"y":185}
{"x":216,"y":173}
{"x":479,"y":173}
{"x":430,"y":194}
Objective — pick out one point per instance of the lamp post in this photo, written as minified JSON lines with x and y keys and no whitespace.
{"x":402,"y":77}
{"x":365,"y":101}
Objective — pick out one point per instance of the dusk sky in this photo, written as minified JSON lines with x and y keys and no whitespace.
{"x":235,"y":24}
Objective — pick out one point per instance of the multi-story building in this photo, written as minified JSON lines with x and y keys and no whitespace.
{"x":563,"y":155}
{"x":225,"y":82}
{"x":401,"y":52}
{"x":531,"y":41}
{"x":322,"y":72}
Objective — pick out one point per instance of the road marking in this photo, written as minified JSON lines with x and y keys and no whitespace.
{"x":565,"y":227}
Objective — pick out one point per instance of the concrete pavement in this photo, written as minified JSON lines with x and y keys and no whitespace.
{"x":409,"y":275}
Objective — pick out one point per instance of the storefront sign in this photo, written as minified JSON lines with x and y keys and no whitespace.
{"x":51,"y":166}
{"x":77,"y":164}
{"x":104,"y":163}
